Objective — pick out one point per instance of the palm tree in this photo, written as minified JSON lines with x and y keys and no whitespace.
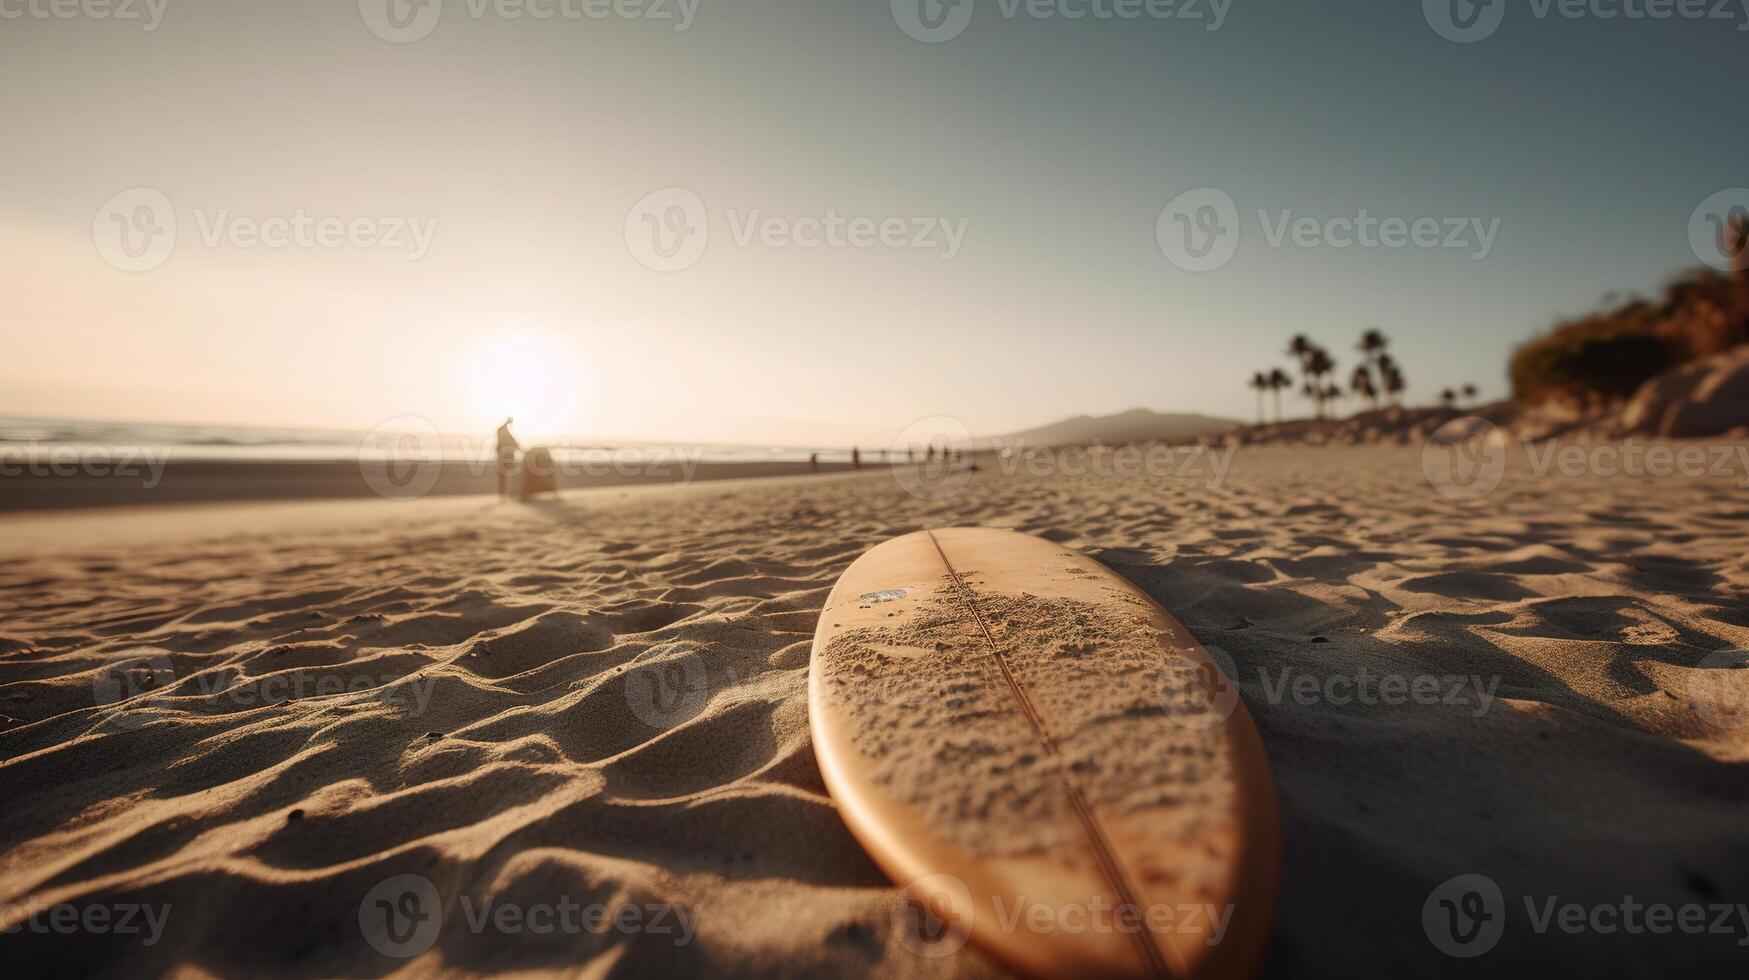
{"x":1449,"y":398}
{"x":1318,"y":366}
{"x":1260,"y":384}
{"x":1372,"y":344}
{"x":1300,"y":348}
{"x":1360,"y":382}
{"x":1470,"y":392}
{"x":1279,"y":382}
{"x":1372,"y":348}
{"x":1391,"y":378}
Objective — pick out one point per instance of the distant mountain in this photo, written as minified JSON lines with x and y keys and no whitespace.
{"x":1136,"y":425}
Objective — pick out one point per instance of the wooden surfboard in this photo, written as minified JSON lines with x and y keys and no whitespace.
{"x":1045,"y":760}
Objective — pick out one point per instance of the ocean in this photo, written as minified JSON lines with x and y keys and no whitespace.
{"x":37,"y":438}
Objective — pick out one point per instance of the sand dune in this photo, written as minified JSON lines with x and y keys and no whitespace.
{"x":602,"y":701}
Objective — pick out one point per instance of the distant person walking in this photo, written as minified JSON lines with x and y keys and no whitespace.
{"x":507,"y":450}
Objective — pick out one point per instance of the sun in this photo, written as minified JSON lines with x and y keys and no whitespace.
{"x":528,"y":378}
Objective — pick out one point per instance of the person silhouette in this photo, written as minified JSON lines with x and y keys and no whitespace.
{"x":507,"y":449}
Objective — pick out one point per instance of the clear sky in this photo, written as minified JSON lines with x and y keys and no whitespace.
{"x":1052,"y":144}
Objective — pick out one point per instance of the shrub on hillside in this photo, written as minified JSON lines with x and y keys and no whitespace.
{"x":1606,"y":357}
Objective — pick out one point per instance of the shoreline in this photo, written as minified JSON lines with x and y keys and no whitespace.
{"x":230,"y":481}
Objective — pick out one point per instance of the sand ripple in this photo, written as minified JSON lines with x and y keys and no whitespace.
{"x":604,"y":701}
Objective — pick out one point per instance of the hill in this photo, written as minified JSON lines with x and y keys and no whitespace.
{"x":1136,"y":425}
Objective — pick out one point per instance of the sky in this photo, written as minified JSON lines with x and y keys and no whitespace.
{"x":800,"y":224}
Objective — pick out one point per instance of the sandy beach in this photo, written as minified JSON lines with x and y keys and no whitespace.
{"x":601,"y":701}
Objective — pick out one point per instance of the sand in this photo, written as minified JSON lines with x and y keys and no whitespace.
{"x":601,"y":702}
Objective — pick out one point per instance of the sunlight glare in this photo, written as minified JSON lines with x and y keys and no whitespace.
{"x":528,"y":378}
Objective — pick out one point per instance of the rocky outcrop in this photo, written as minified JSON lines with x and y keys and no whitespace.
{"x":1706,"y":398}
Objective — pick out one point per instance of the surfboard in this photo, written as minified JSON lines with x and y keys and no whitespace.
{"x":1044,"y":760}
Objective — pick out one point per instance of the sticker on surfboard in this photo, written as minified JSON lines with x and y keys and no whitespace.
{"x":885,"y":595}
